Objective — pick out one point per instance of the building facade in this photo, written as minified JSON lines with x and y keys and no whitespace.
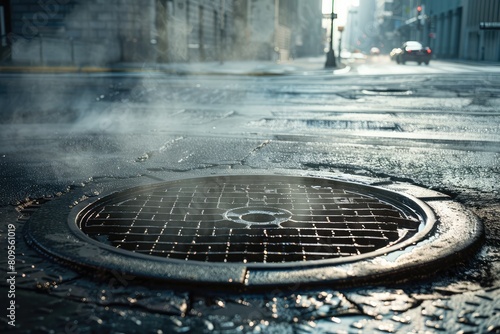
{"x":278,"y":29}
{"x":309,"y":36}
{"x":107,"y":31}
{"x":79,"y":32}
{"x":193,"y":30}
{"x":99,"y":32}
{"x":361,"y":33}
{"x":451,"y":28}
{"x":480,"y":44}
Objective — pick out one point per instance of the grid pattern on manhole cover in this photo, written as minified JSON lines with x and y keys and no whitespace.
{"x":248,"y":220}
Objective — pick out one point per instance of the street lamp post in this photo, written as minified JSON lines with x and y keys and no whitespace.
{"x":330,"y":56}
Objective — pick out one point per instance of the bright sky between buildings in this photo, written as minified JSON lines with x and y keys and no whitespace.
{"x":341,"y":9}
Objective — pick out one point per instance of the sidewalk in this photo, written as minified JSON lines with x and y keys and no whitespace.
{"x":256,"y":68}
{"x":469,"y":62}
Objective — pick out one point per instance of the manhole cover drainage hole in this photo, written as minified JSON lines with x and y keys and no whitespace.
{"x":258,"y":218}
{"x":255,"y":230}
{"x":251,"y":216}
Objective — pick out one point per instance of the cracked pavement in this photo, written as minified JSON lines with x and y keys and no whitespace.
{"x":91,"y":134}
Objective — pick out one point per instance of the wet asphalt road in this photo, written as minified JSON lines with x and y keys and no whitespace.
{"x":79,"y":135}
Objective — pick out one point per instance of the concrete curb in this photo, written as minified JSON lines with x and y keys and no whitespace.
{"x":237,"y":68}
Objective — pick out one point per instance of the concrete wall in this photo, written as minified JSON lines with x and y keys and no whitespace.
{"x":307,"y":36}
{"x":480,"y":44}
{"x":194,"y":30}
{"x":106,"y":31}
{"x":92,"y":31}
{"x":97,"y":32}
{"x":442,"y":30}
{"x":262,"y":24}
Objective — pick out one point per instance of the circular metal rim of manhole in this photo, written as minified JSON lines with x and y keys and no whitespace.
{"x":79,"y":248}
{"x":273,"y":218}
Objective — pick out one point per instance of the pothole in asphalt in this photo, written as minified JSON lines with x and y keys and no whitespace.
{"x":387,"y":91}
{"x":260,"y":231}
{"x":336,"y":124}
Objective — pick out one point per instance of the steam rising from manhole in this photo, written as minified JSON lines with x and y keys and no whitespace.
{"x":251,"y":220}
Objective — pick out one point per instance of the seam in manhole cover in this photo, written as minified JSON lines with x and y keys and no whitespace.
{"x":250,"y":230}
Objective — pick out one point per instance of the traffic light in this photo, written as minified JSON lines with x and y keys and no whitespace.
{"x":419,"y":13}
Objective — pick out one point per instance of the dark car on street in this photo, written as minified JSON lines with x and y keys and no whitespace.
{"x":414,"y":51}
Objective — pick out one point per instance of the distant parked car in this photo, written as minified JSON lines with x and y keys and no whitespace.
{"x":374,"y":51}
{"x":414,"y":51}
{"x":345,"y":54}
{"x":394,"y":53}
{"x":358,"y":55}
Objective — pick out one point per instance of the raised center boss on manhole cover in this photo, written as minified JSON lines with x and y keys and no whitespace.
{"x":239,"y":226}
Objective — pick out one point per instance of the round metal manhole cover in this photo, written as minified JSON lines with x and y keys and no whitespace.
{"x":253,"y":220}
{"x":245,"y":229}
